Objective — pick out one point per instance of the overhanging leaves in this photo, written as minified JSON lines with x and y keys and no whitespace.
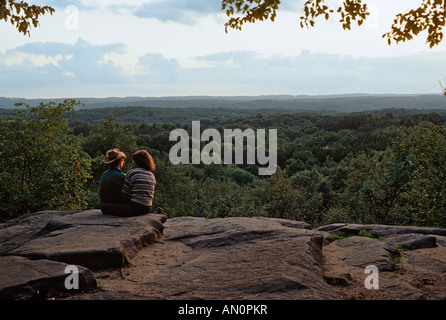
{"x":430,"y":16}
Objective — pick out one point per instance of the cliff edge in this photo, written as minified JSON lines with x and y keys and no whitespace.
{"x":152,"y":257}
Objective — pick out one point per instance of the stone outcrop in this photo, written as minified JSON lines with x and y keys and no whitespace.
{"x":22,"y":278}
{"x":35,"y":249}
{"x":244,"y":258}
{"x":152,"y":257}
{"x":92,"y":239}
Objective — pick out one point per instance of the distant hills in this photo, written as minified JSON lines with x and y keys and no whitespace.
{"x":335,"y":103}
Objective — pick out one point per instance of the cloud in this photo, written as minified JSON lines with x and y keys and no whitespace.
{"x":82,"y":67}
{"x":310,"y":73}
{"x":79,"y":64}
{"x":155,"y":68}
{"x":58,"y":4}
{"x":189,"y":11}
{"x":181,"y":11}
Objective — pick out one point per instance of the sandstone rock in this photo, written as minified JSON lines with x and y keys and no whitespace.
{"x":401,"y":289}
{"x":376,"y":253}
{"x":243,"y":258}
{"x":22,"y":278}
{"x":91,"y":239}
{"x":87,"y":239}
{"x":339,"y":279}
{"x":355,"y":242}
{"x":224,"y":258}
{"x":411,"y":241}
{"x":17,"y":232}
{"x":368,"y":251}
{"x":100,"y":295}
{"x":441,"y":240}
{"x":439,"y":296}
{"x":426,"y":262}
{"x":380,"y":230}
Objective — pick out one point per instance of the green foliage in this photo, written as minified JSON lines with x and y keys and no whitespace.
{"x":386,"y":168}
{"x":335,"y":168}
{"x":366,"y":234}
{"x":175,"y":191}
{"x":42,"y":166}
{"x":421,"y":156}
{"x":104,"y":137}
{"x":277,"y":196}
{"x":109,"y":135}
{"x":402,"y":185}
{"x":219,"y":199}
{"x":342,"y":235}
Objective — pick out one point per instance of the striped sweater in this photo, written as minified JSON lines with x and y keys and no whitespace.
{"x":139,"y":186}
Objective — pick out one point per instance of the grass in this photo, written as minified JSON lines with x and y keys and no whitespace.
{"x":342,"y":235}
{"x":401,"y":252}
{"x":362,"y":233}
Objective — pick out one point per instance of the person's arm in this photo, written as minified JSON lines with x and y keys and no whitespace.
{"x":100,"y":188}
{"x":152,"y":185}
{"x":127,"y":187}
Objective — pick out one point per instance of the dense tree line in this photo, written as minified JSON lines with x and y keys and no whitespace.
{"x":367,"y":168}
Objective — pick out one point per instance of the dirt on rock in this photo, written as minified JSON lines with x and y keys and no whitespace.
{"x":426,"y":284}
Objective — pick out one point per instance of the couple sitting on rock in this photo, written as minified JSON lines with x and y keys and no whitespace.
{"x":128,"y":194}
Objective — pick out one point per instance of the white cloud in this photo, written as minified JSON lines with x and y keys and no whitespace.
{"x":49,"y":64}
{"x":182,"y":11}
{"x":82,"y":68}
{"x":155,"y":69}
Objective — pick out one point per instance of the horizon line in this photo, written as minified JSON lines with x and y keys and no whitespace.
{"x":359,"y":94}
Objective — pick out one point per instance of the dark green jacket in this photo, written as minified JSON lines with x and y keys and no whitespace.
{"x":110,"y":188}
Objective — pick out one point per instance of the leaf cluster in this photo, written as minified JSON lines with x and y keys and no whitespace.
{"x":22,"y":15}
{"x":248,"y":11}
{"x":430,"y":16}
{"x":351,"y":10}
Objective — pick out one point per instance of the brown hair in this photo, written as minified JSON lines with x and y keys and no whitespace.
{"x":116,"y":162}
{"x":144,"y":160}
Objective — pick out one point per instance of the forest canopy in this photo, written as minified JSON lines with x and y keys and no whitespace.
{"x":386,"y":168}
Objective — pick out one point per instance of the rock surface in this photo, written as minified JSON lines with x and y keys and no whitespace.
{"x":244,"y":258}
{"x":149,"y":257}
{"x":89,"y":238}
{"x":35,"y":249}
{"x":22,"y":278}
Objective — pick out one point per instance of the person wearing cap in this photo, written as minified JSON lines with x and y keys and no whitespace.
{"x":113,"y":179}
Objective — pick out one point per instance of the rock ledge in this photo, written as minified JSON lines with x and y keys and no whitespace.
{"x":152,"y":257}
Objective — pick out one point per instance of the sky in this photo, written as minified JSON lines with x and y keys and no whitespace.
{"x":155,"y":48}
